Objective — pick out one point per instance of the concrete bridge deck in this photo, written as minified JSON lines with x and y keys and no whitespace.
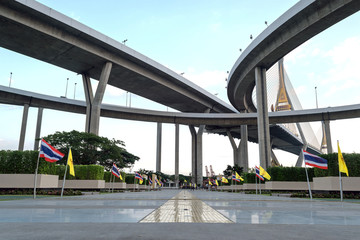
{"x":122,"y":215}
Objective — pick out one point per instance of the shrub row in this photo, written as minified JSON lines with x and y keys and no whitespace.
{"x":352,"y":161}
{"x":82,"y":172}
{"x":108,"y":174}
{"x":295,"y":174}
{"x":24,"y":162}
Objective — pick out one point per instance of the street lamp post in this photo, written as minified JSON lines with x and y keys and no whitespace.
{"x":10,"y":79}
{"x":74,"y":90}
{"x":67,"y":82}
{"x":316,"y":98}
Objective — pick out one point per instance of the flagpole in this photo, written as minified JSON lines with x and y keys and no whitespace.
{"x":341,"y":191}
{"x":260,"y":186}
{"x":256,"y":184}
{"x":36,"y":172}
{"x":134,"y":181}
{"x":63,"y":185}
{"x":232,"y":184}
{"x":340,"y":180}
{"x":110,"y":181}
{"x":308,"y":182}
{"x":113,"y":182}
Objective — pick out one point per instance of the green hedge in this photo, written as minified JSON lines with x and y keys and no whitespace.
{"x":249,"y":177}
{"x":108,"y":174}
{"x":352,"y":161}
{"x":82,"y":172}
{"x":292,"y":174}
{"x":24,"y":162}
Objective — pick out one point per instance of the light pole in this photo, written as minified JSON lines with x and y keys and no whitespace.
{"x":126,"y":98}
{"x":10,"y":79}
{"x":266,"y":23}
{"x":316,"y":98}
{"x":67,"y":82}
{"x":124,"y":41}
{"x":74,"y":90}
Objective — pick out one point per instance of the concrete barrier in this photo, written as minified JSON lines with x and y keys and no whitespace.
{"x":332,"y":183}
{"x":277,"y":185}
{"x":132,"y":186}
{"x":83,"y":184}
{"x":27,"y":181}
{"x":116,"y":185}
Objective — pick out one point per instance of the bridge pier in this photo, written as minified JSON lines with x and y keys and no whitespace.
{"x":158,"y":147}
{"x":196,"y":162}
{"x":244,"y":154}
{"x":328,"y":136}
{"x":38,"y":128}
{"x":93,"y":104}
{"x":177,"y":155}
{"x":23,"y":127}
{"x":262,"y":118}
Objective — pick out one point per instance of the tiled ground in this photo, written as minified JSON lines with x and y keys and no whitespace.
{"x":184,"y":207}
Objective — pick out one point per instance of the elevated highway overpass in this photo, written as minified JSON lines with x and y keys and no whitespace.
{"x":35,"y":30}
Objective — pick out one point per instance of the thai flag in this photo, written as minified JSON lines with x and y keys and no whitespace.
{"x":138,"y":176}
{"x":314,"y":161}
{"x":234,"y":178}
{"x":150,"y":181}
{"x":115,"y":171}
{"x":257,"y":171}
{"x":50,"y":153}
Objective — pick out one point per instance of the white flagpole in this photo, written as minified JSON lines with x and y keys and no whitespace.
{"x":340,"y":180}
{"x":260,"y":186}
{"x":308,"y":182}
{"x":110,"y":180}
{"x":36,"y":172}
{"x":113,"y":182}
{"x":341,"y":191}
{"x":256,"y":183}
{"x":63,"y":185}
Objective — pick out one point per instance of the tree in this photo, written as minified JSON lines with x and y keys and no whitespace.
{"x":229,"y":170}
{"x":88,"y":148}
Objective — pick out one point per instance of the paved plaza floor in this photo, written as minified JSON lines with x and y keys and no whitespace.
{"x":178,"y":214}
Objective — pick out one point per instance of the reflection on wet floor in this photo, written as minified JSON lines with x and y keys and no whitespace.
{"x":184,"y":207}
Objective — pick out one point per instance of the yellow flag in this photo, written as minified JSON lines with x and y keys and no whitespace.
{"x":264,"y":173}
{"x":70,"y":163}
{"x":216,"y":182}
{"x":120,"y":176}
{"x":185,"y":180}
{"x":224,"y":180}
{"x":238,"y":176}
{"x":342,"y":165}
{"x":140,"y":181}
{"x":210,"y":182}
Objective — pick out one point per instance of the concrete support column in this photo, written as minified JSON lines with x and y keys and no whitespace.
{"x":177,"y":155}
{"x":262,"y":118}
{"x":244,"y":153}
{"x":23,"y":127}
{"x":328,"y":136}
{"x":89,"y":96}
{"x":158,"y":147}
{"x":38,"y":128}
{"x":236,"y":149}
{"x":199,"y":158}
{"x":193,"y":153}
{"x":96,"y":103}
{"x":197,"y":174}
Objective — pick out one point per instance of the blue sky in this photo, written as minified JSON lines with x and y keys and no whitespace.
{"x":201,"y":39}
